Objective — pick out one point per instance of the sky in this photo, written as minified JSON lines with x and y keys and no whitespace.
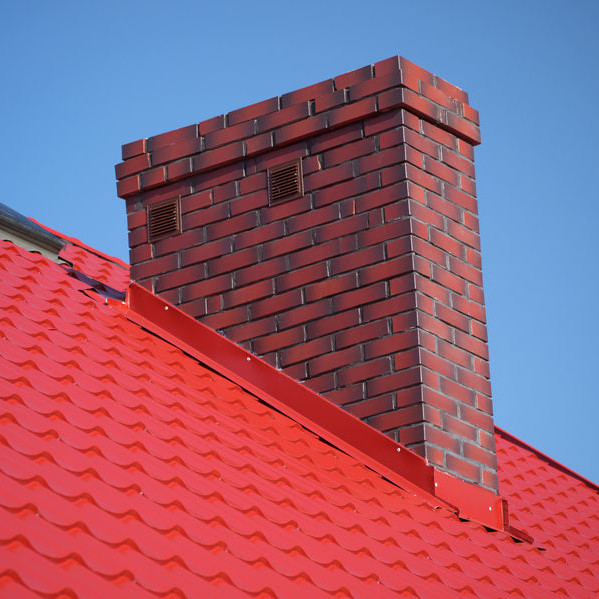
{"x":79,"y":79}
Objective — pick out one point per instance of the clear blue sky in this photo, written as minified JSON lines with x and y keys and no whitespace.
{"x":79,"y":79}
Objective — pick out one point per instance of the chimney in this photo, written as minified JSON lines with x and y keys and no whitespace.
{"x":334,"y":232}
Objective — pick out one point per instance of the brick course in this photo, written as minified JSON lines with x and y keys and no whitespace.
{"x":369,"y":286}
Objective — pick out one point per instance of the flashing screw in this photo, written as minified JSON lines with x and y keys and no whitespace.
{"x":398,"y":449}
{"x":166,"y":307}
{"x":248,"y":358}
{"x":490,"y":508}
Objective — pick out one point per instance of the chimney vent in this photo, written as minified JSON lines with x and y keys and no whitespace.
{"x":285,"y":181}
{"x":163,"y":220}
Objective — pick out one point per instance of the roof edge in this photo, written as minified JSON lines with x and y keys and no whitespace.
{"x":333,"y":424}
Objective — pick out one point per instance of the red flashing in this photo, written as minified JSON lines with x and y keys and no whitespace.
{"x":336,"y":426}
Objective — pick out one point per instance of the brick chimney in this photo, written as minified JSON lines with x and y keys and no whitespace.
{"x":334,"y":232}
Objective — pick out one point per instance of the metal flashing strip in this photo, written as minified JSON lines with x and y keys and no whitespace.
{"x":346,"y":432}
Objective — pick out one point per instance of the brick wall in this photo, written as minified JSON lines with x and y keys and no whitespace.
{"x":369,"y":286}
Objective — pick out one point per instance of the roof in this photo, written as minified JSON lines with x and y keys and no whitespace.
{"x":130,"y":469}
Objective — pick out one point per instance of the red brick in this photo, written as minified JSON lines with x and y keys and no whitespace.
{"x":465,"y":469}
{"x":480,"y":455}
{"x":328,"y":101}
{"x":284,"y":116}
{"x":449,"y":280}
{"x":251,"y":330}
{"x":437,"y":365}
{"x":438,"y":96}
{"x":181,"y":149}
{"x":301,"y":277}
{"x":330,"y":286}
{"x":439,"y":135}
{"x":410,"y":137}
{"x":249,"y":202}
{"x":134,"y":148}
{"x":359,"y":297}
{"x":353,"y":77}
{"x":285,"y":209}
{"x":231,"y":226}
{"x":214,"y":158}
{"x":172,"y":137}
{"x":373,"y":86}
{"x":440,"y":401}
{"x":388,"y":270}
{"x":248,"y":293}
{"x":454,"y":354}
{"x":262,"y":270}
{"x":429,"y":252}
{"x":442,"y":206}
{"x":232,"y":262}
{"x":330,"y":176}
{"x":301,"y":130}
{"x":196,"y":201}
{"x":305,"y":313}
{"x":252,"y":183}
{"x":385,"y":121}
{"x":440,"y":170}
{"x":128,"y":187}
{"x":206,"y":287}
{"x":320,"y":252}
{"x":370,"y":255}
{"x":482,"y":367}
{"x":474,"y":381}
{"x":308,"y":93}
{"x":368,"y":407}
{"x":312,"y":219}
{"x":400,"y":247}
{"x":465,"y":129}
{"x":352,"y":112}
{"x":180,"y":277}
{"x":276,"y":304}
{"x":259,"y":143}
{"x":472,"y":345}
{"x":333,"y":360}
{"x":467,"y":307}
{"x":385,"y":346}
{"x":276,"y":341}
{"x":404,"y":322}
{"x":408,"y":171}
{"x":339,"y":228}
{"x":457,"y":162}
{"x":466,"y":271}
{"x":261,"y":234}
{"x":434,"y":326}
{"x":225,"y":192}
{"x":359,"y":334}
{"x":300,"y":372}
{"x":305,"y":351}
{"x":389,"y":307}
{"x":362,"y":372}
{"x":466,"y":149}
{"x":338,"y":137}
{"x":347,"y":189}
{"x":217,"y":176}
{"x":287,"y":245}
{"x":397,"y":418}
{"x":132,"y":166}
{"x":394,"y":382}
{"x":253,"y":111}
{"x":349,"y":151}
{"x":200,"y":218}
{"x":223,"y":320}
{"x":140,"y":253}
{"x":229,"y":134}
{"x":209,"y":125}
{"x":336,"y":322}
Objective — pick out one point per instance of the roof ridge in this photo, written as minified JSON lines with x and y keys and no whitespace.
{"x":75,"y":241}
{"x":543,"y":456}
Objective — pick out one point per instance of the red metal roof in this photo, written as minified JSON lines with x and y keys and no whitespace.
{"x":128,"y":468}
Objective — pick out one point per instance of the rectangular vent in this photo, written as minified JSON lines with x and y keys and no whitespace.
{"x":164,"y":219}
{"x":285,"y":181}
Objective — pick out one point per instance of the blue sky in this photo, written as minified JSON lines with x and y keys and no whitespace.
{"x":80,"y":79}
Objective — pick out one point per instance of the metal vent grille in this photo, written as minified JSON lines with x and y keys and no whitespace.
{"x":285,"y":181}
{"x":163,"y":219}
